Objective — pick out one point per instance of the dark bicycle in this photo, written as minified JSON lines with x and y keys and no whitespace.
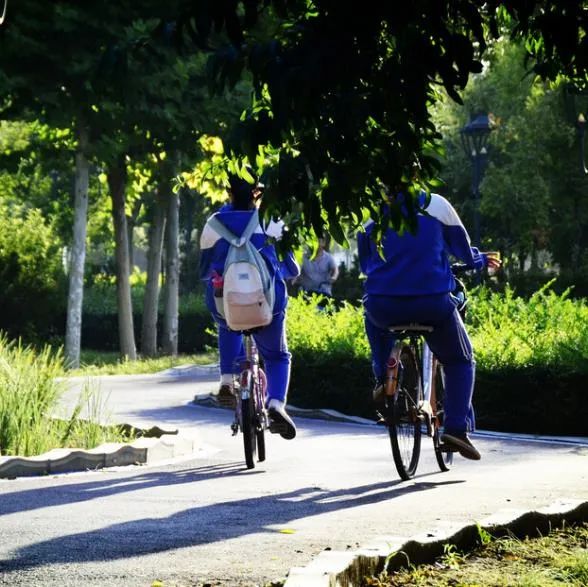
{"x":414,"y":395}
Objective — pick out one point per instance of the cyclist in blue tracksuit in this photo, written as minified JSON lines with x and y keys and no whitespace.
{"x":271,"y":339}
{"x":412,"y":283}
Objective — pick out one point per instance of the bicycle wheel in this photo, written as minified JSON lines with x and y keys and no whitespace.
{"x":404,"y":424}
{"x":261,"y":417}
{"x":444,"y":458}
{"x":248,"y":423}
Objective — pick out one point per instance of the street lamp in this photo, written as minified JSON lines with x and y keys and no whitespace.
{"x":474,"y":139}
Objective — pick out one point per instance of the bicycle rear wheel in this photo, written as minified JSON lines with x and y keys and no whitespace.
{"x":444,"y":458}
{"x":248,"y":423}
{"x":404,"y":424}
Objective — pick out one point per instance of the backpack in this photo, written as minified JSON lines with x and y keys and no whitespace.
{"x":248,"y":289}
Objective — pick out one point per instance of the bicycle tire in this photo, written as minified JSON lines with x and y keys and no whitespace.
{"x":444,"y":458}
{"x":248,"y":425}
{"x":261,"y":418}
{"x":404,"y":424}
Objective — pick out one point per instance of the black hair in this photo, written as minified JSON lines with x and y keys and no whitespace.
{"x":241,"y":192}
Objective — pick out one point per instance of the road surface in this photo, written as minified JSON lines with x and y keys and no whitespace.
{"x":209,"y":521}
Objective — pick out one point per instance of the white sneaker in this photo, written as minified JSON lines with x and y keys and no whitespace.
{"x":280,"y":422}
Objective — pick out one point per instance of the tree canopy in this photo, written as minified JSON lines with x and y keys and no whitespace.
{"x":344,"y":90}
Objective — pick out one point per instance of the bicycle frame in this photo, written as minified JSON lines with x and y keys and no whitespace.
{"x":413,"y":336}
{"x":414,"y":370}
{"x":249,"y":369}
{"x":250,"y":412}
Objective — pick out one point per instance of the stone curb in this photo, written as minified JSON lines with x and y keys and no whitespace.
{"x":209,"y":400}
{"x":144,"y":450}
{"x":347,"y":568}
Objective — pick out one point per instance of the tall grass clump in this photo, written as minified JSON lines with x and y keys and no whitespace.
{"x":30,"y":391}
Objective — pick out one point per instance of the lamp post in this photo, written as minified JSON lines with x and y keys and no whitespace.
{"x":576,"y":117}
{"x":581,"y":126}
{"x":474,"y":139}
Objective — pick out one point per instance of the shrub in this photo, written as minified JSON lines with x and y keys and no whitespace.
{"x":531,"y":360}
{"x":547,"y":330}
{"x":100,"y":320}
{"x":30,"y":273}
{"x":331,"y":366}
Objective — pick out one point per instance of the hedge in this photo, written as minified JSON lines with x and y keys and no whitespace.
{"x":532,"y":361}
{"x":532,"y":356}
{"x":528,"y":400}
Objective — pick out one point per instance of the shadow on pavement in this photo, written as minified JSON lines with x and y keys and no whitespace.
{"x":193,"y":415}
{"x":199,"y":525}
{"x":32,"y":499}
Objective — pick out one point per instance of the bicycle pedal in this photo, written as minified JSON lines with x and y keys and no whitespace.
{"x":380,"y":420}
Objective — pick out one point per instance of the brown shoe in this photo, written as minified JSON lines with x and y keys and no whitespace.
{"x":461,"y":443}
{"x":226,"y":397}
{"x":378,"y":393}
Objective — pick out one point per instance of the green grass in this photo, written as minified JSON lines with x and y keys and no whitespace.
{"x":556,"y":560}
{"x":30,"y":391}
{"x":110,"y":363}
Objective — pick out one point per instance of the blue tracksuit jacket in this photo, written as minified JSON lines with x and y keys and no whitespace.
{"x":416,"y":265}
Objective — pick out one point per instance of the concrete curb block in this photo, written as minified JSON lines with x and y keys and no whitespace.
{"x":346,"y":569}
{"x":209,"y":400}
{"x":66,"y":460}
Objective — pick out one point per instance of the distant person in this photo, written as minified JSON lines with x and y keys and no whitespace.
{"x":319,"y":272}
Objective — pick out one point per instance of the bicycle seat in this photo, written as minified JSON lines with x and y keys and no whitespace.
{"x":250,"y":331}
{"x":414,"y":327}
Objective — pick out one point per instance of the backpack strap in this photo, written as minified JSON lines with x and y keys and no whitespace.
{"x":225,"y":233}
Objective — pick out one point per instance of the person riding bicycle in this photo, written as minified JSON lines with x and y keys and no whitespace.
{"x":270,"y":339}
{"x":410,"y":281}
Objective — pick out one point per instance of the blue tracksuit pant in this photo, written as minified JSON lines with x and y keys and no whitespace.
{"x":448,"y":341}
{"x":272,"y":346}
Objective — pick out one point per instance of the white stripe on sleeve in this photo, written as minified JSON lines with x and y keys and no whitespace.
{"x":443,"y":211}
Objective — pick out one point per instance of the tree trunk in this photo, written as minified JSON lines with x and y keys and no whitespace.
{"x":170,"y":317}
{"x":131,"y":222}
{"x":534,"y":267}
{"x":117,"y":181}
{"x":151,"y":300}
{"x":187,"y":272}
{"x":73,"y":331}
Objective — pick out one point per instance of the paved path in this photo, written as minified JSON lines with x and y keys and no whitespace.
{"x":208,"y":520}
